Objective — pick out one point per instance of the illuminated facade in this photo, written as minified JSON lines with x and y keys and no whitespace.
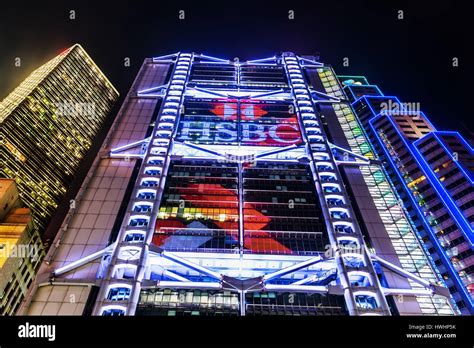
{"x":48,"y":123}
{"x":21,"y":249}
{"x":433,"y":173}
{"x":246,"y":188}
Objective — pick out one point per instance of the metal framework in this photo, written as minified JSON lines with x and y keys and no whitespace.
{"x":242,"y":272}
{"x":324,"y":154}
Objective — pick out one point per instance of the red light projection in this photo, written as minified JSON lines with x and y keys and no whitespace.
{"x":248,"y":123}
{"x":229,"y":111}
{"x":203,"y":198}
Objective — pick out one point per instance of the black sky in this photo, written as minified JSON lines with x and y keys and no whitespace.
{"x":410,"y":58}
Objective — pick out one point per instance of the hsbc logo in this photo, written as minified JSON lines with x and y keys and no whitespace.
{"x":247,"y":123}
{"x":251,"y":133}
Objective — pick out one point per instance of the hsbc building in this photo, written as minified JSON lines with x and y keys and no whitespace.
{"x":244,"y":189}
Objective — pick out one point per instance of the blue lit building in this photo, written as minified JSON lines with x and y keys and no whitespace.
{"x":432,"y":172}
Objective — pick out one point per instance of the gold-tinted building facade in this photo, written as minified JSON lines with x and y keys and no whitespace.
{"x":21,"y":249}
{"x":47,"y":125}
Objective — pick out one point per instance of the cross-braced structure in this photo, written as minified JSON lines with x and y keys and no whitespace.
{"x":241,"y":203}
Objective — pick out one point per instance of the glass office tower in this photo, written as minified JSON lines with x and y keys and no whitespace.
{"x":239,"y":188}
{"x":433,"y":173}
{"x":48,"y":123}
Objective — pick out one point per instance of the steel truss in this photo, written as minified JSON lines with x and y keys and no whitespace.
{"x":256,"y":274}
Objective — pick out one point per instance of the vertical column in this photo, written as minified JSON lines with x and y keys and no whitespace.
{"x":120,"y":290}
{"x":395,"y":219}
{"x":364,"y":298}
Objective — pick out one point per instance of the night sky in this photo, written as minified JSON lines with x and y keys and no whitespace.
{"x":410,"y":58}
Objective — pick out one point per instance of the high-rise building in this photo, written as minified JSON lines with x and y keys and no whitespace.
{"x":47,"y":125}
{"x":21,"y":249}
{"x":433,"y":174}
{"x":239,"y":188}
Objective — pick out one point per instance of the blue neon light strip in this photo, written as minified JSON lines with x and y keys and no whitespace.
{"x":353,"y":77}
{"x":421,"y":114}
{"x":441,"y":141}
{"x":350,"y":87}
{"x":394,"y":98}
{"x":385,"y":97}
{"x":448,"y":201}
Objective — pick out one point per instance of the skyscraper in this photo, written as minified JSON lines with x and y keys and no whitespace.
{"x":48,"y":123}
{"x":239,"y":188}
{"x":432,"y":171}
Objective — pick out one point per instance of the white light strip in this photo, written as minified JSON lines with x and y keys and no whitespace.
{"x":82,"y":261}
{"x":191,"y":264}
{"x":174,"y":55}
{"x":292,"y":268}
{"x":189,"y":285}
{"x":128,"y":146}
{"x":297,"y":288}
